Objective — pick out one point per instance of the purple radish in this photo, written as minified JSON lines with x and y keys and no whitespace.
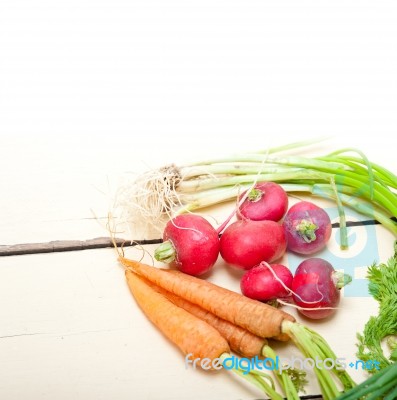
{"x":307,"y":228}
{"x":316,"y":285}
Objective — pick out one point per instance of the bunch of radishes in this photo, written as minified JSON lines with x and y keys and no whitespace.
{"x":257,"y":239}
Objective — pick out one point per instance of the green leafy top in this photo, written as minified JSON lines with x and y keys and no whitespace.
{"x":383,"y":287}
{"x":298,"y":378}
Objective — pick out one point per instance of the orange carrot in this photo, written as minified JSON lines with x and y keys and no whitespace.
{"x":192,"y":335}
{"x":240,"y":340}
{"x":258,"y":318}
{"x":189,"y":333}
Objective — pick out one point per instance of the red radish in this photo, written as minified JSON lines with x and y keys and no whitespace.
{"x":266,"y":201}
{"x":316,"y":285}
{"x":246,"y":243}
{"x":263,"y":282}
{"x":190,"y":244}
{"x":307,"y":228}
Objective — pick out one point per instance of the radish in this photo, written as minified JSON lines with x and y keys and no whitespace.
{"x":190,"y":244}
{"x":263,"y":282}
{"x":316,"y":285}
{"x":307,"y":228}
{"x":246,"y":243}
{"x":266,"y":201}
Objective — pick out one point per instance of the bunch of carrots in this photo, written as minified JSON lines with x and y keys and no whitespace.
{"x":221,"y":321}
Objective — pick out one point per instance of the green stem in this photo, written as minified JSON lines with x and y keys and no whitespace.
{"x":165,"y":252}
{"x":390,"y":374}
{"x":256,"y":379}
{"x":392,"y":395}
{"x":344,"y":243}
{"x":383,"y":389}
{"x":255,"y":195}
{"x":360,"y":206}
{"x":189,"y":173}
{"x":354,"y":192}
{"x":327,"y":384}
{"x":384,"y":197}
{"x":341,"y":279}
{"x":365,"y":160}
{"x":213,"y":182}
{"x":387,"y":175}
{"x":356,"y":164}
{"x":284,"y":379}
{"x":327,"y":352}
{"x":303,"y":339}
{"x":367,"y":386}
{"x":307,"y":230}
{"x":290,"y":389}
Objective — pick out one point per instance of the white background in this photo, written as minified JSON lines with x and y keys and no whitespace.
{"x":90,"y":90}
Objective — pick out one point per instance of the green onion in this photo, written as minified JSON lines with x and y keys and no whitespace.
{"x":383,"y":384}
{"x":356,"y":182}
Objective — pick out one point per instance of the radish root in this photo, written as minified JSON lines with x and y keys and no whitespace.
{"x":284,"y":303}
{"x":292,"y":292}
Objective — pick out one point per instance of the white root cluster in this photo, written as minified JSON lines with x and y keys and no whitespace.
{"x":146,"y":202}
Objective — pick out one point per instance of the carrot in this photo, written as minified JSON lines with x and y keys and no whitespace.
{"x":191,"y":334}
{"x":258,"y":318}
{"x":255,"y":307}
{"x":240,"y":341}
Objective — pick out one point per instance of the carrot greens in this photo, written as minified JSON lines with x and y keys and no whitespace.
{"x":383,"y":287}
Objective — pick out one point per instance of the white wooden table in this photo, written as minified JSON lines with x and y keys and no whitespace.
{"x":91,"y":91}
{"x":69,"y":325}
